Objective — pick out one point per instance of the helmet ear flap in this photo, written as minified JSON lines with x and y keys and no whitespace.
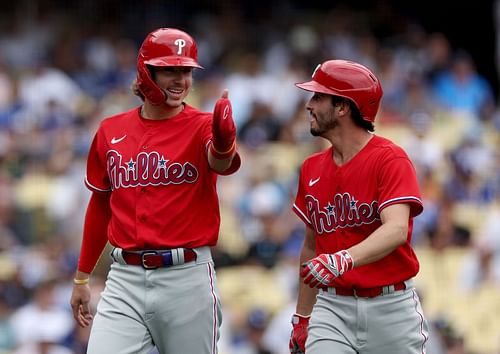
{"x":147,"y":86}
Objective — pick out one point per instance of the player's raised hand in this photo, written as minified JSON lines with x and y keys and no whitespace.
{"x":319,"y":272}
{"x":223,"y":128}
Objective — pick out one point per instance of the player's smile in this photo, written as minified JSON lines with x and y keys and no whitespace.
{"x":175,"y":82}
{"x":175,"y":93}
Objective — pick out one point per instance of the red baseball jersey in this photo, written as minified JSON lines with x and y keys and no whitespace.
{"x":163,"y":189}
{"x":342,"y":204}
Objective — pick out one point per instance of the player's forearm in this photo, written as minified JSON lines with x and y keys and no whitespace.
{"x":79,"y":275}
{"x":379,"y":244}
{"x":306,"y":299}
{"x":391,"y":234}
{"x":219,"y":165}
{"x":306,"y":296}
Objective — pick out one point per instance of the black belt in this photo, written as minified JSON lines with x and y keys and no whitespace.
{"x":152,"y":259}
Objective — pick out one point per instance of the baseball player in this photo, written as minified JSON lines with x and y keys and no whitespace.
{"x":152,"y":172}
{"x":357,"y":199}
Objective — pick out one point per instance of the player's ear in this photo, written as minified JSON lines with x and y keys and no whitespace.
{"x":343,"y":106}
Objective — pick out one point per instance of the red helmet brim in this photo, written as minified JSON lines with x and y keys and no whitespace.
{"x":173,"y":61}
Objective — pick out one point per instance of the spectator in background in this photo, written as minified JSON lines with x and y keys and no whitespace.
{"x":462,"y":89}
{"x":249,"y":341}
{"x":41,"y":326}
{"x":482,"y":265}
{"x":262,"y":126}
{"x":7,"y":335}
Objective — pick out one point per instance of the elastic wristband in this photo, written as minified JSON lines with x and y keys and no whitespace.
{"x":228,"y":151}
{"x":223,"y":155}
{"x":81,"y":281}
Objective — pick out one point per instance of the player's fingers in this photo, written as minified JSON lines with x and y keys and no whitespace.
{"x":76,"y":311}
{"x":84,"y":315}
{"x":311,"y":280}
{"x":308,"y":278}
{"x":305,"y":270}
{"x":225,"y":93}
{"x":313,"y":283}
{"x":85,"y":311}
{"x":324,"y":281}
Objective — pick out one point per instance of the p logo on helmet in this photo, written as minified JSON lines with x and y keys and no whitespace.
{"x":181,"y":43}
{"x":163,"y":47}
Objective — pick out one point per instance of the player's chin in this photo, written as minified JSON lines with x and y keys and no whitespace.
{"x":315,"y":131}
{"x":174,"y":102}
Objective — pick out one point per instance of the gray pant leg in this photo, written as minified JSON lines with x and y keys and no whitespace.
{"x":392,"y":323}
{"x":185,"y":314}
{"x":329,"y":330}
{"x":118,"y":327}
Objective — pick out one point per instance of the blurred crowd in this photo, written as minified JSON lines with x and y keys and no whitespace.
{"x":58,"y":81}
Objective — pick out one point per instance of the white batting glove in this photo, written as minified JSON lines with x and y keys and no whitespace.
{"x":320,"y":272}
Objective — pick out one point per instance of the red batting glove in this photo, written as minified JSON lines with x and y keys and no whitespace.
{"x":320,"y":272}
{"x":299,"y":334}
{"x":223,"y":129}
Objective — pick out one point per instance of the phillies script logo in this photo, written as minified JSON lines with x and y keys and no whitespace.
{"x":342,"y":211}
{"x":148,"y":169}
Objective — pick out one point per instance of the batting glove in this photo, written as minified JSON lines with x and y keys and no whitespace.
{"x":299,"y":334}
{"x":223,"y":129}
{"x":320,"y":272}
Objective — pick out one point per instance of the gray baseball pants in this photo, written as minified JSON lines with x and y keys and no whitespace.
{"x":177,"y":309}
{"x":392,"y":323}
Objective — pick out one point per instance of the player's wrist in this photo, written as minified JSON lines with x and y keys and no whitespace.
{"x":348,"y":258}
{"x":81,"y":278}
{"x":297,"y":319}
{"x":81,"y":281}
{"x":223,"y":153}
{"x":345,"y":260}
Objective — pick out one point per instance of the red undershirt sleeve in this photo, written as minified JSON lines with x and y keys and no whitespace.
{"x":95,"y":231}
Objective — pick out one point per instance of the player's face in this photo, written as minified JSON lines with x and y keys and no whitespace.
{"x":321,"y":113}
{"x":176,"y":82}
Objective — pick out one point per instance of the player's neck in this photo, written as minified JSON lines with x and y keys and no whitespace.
{"x":159,"y":112}
{"x":346,"y":146}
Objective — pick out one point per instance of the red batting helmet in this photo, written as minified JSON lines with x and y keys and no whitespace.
{"x":164,"y":47}
{"x":350,"y":80}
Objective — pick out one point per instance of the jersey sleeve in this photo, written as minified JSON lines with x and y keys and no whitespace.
{"x":94,"y":231}
{"x":398,"y":184}
{"x":299,"y":206}
{"x":96,"y":178}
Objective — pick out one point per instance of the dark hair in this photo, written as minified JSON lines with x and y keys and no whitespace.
{"x":355,"y":113}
